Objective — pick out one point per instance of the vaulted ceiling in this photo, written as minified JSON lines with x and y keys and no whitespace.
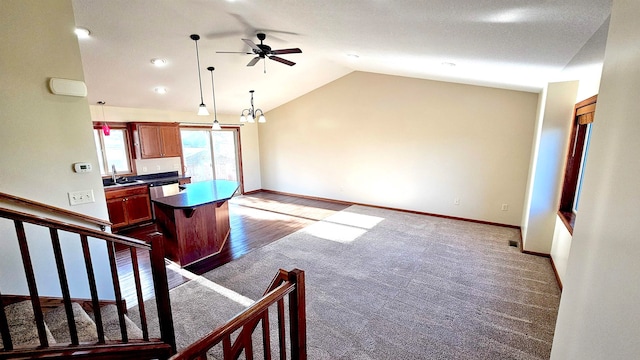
{"x":514,"y":44}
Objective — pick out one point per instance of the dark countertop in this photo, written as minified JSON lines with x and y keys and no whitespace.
{"x":150,"y":179}
{"x":200,"y":193}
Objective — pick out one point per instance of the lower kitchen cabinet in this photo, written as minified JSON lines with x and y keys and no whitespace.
{"x":128,"y":206}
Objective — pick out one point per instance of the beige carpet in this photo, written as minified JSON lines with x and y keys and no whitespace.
{"x":384,"y":284}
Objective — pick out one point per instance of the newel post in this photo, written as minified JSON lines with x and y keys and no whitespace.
{"x":298,"y":316}
{"x":161,"y":287}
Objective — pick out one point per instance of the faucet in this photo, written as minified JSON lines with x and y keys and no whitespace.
{"x":113,"y":173}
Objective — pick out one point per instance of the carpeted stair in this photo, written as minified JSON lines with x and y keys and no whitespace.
{"x":22,"y":325}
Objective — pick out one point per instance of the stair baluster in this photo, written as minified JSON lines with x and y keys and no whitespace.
{"x":31,"y":282}
{"x":97,"y":313}
{"x":4,"y":327}
{"x":64,"y":285}
{"x":111,"y":249}
{"x":161,"y":287}
{"x":136,"y":277}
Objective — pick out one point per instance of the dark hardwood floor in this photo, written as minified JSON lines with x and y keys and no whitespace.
{"x":256,"y":220}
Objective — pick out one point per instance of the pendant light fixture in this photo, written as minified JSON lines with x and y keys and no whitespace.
{"x":202,"y":110}
{"x":216,"y":124}
{"x":106,"y":130}
{"x":251,"y":113}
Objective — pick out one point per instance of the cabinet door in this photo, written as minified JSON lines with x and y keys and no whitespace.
{"x":150,"y":144}
{"x":171,"y":144}
{"x":117,"y":214}
{"x":138,"y":209}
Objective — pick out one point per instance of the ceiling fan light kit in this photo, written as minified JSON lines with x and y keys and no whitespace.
{"x":264,"y":51}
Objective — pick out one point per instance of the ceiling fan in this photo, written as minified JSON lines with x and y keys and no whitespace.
{"x":264,"y":51}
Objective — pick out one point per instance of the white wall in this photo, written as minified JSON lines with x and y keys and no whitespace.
{"x":547,"y":169}
{"x":561,"y":248}
{"x":579,"y":80}
{"x":42,"y":136}
{"x":599,"y":315}
{"x":248,"y":137}
{"x":404,"y":143}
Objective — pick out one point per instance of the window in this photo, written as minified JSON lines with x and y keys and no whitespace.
{"x":576,"y":159}
{"x":211,"y":154}
{"x":113,"y":150}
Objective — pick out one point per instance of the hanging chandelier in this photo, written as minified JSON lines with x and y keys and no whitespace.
{"x":249,"y":115}
{"x":202,"y":110}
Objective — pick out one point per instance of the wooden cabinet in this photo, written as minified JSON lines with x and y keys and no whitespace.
{"x":128,"y":206}
{"x":156,"y":140}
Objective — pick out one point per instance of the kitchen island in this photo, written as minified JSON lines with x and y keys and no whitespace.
{"x":194,"y":219}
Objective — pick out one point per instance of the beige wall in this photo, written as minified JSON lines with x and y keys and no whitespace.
{"x":542,"y":231}
{"x":547,"y":166}
{"x":599,"y":315}
{"x":404,"y":143}
{"x":248,"y":137}
{"x":42,"y":135}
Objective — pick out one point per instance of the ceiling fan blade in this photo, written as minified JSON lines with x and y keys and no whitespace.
{"x":254,"y":61}
{"x":281,"y":60}
{"x":252,"y":44}
{"x":286,"y":51}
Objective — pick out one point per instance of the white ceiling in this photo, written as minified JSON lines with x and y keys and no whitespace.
{"x":514,"y":44}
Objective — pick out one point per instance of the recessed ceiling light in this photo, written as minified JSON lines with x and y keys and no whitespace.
{"x":82,"y":33}
{"x":159,"y":62}
{"x":160,"y":90}
{"x":448,"y":64}
{"x":353,"y":56}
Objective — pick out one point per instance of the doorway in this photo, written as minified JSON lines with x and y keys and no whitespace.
{"x":212,"y":155}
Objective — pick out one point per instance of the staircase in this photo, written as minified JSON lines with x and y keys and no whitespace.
{"x":33,"y":326}
{"x":24,"y":332}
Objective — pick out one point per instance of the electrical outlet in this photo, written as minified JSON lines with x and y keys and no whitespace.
{"x":505,"y":207}
{"x":456,"y":201}
{"x":81,"y":197}
{"x":144,"y":168}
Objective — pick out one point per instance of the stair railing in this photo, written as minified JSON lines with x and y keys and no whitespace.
{"x":285,"y":283}
{"x":54,"y":210}
{"x":159,"y":348}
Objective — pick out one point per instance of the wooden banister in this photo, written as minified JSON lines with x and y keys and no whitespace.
{"x":102,"y":348}
{"x":54,"y":210}
{"x":285,"y":283}
{"x":50,"y":223}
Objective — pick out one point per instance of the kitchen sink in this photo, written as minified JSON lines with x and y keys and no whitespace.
{"x":121,"y":181}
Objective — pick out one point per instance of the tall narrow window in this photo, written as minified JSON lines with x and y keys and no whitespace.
{"x":576,"y":159}
{"x":113,"y":150}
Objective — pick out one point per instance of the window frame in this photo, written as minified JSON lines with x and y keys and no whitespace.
{"x":128,"y":148}
{"x":237,"y":130}
{"x":575,"y":164}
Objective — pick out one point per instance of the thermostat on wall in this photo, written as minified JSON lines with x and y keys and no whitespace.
{"x":82,"y":167}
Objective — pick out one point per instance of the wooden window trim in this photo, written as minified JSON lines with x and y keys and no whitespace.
{"x":128,"y":138}
{"x":582,"y":116}
{"x":237,"y":129}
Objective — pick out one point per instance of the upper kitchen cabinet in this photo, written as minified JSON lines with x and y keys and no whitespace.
{"x":156,"y":140}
